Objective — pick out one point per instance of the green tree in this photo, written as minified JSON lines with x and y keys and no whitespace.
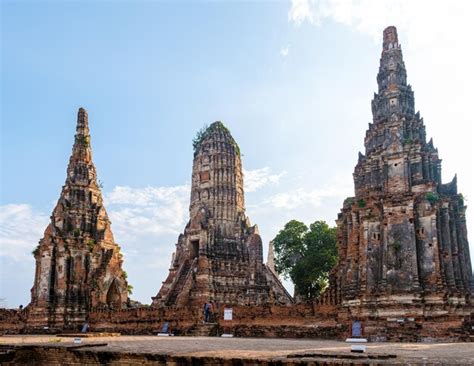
{"x":306,"y":256}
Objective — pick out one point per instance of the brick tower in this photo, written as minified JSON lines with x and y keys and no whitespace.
{"x":219,"y":256}
{"x":402,"y":239}
{"x":78,"y":263}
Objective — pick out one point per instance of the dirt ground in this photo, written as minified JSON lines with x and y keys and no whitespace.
{"x":253,"y":348}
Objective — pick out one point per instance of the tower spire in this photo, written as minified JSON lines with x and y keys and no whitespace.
{"x":390,"y":38}
{"x":414,"y":237}
{"x":81,"y":167}
{"x":82,"y":127}
{"x":394,"y":95}
{"x":79,"y":264}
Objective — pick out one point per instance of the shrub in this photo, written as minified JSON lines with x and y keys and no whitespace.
{"x":432,"y":197}
{"x":91,"y":243}
{"x":348,"y":201}
{"x":204,"y":132}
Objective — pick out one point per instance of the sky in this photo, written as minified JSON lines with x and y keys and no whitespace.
{"x":292,"y":80}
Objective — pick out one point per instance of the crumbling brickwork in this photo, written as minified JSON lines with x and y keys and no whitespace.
{"x":402,"y":240}
{"x":219,"y":256}
{"x":78,"y":263}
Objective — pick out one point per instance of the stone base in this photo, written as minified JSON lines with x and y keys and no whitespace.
{"x":89,"y":335}
{"x":415,"y":322}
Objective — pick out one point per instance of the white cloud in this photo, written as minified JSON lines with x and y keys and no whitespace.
{"x":148,"y":211}
{"x":147,"y":196}
{"x":301,"y":11}
{"x":284,"y":51}
{"x":21,"y":227}
{"x":155,"y":211}
{"x":300,"y":197}
{"x":258,"y":178}
{"x":424,"y":20}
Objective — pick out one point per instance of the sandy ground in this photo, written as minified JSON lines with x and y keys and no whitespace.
{"x":407,"y":353}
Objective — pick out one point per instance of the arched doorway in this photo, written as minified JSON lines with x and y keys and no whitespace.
{"x":114,"y":300}
{"x":194,"y":246}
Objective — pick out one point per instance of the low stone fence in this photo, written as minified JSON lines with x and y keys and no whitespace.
{"x":12,"y":321}
{"x":308,"y":320}
{"x":143,"y":320}
{"x":302,"y":320}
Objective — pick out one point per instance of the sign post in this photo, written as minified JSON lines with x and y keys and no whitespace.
{"x":357,"y":337}
{"x":227,"y":322}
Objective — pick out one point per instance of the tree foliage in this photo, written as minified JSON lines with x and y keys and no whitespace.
{"x":306,"y":256}
{"x":206,"y":131}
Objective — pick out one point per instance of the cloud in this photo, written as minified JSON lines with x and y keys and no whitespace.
{"x":372,"y":16}
{"x":301,"y":11}
{"x":156,"y":211}
{"x":299,"y":197}
{"x":284,"y":51}
{"x":137,"y":212}
{"x":258,"y":178}
{"x":21,"y":227}
{"x":146,"y":196}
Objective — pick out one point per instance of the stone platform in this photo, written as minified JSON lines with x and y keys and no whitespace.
{"x":152,"y":350}
{"x":88,"y":335}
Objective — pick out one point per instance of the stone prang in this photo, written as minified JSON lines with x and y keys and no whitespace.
{"x":78,"y":263}
{"x":219,"y":256}
{"x":402,"y":239}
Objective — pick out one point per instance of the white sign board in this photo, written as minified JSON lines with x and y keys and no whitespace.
{"x":228,"y":314}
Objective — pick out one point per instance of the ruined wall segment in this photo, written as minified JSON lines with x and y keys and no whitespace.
{"x":271,"y":259}
{"x":403,"y":237}
{"x":78,"y":263}
{"x":219,"y":256}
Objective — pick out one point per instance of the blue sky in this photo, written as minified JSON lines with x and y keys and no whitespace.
{"x":292,"y":80}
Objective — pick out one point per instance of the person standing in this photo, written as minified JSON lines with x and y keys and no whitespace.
{"x":211,"y":313}
{"x":207,"y":308}
{"x":85,"y":327}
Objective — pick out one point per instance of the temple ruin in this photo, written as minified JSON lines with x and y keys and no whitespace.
{"x":404,"y":271}
{"x":219,"y":256}
{"x":78,"y":263}
{"x":402,"y":240}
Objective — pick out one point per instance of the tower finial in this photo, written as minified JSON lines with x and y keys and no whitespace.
{"x":390,"y":38}
{"x":82,"y":122}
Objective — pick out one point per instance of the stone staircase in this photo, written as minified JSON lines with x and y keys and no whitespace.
{"x":204,"y":330}
{"x":183,"y":275}
{"x":102,"y":269}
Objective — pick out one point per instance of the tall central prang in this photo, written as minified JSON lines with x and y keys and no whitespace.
{"x":217,"y":182}
{"x":219,"y":256}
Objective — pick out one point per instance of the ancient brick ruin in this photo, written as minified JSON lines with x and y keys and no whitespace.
{"x":219,"y":256}
{"x":402,"y":240}
{"x":78,"y":263}
{"x":404,"y":269}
